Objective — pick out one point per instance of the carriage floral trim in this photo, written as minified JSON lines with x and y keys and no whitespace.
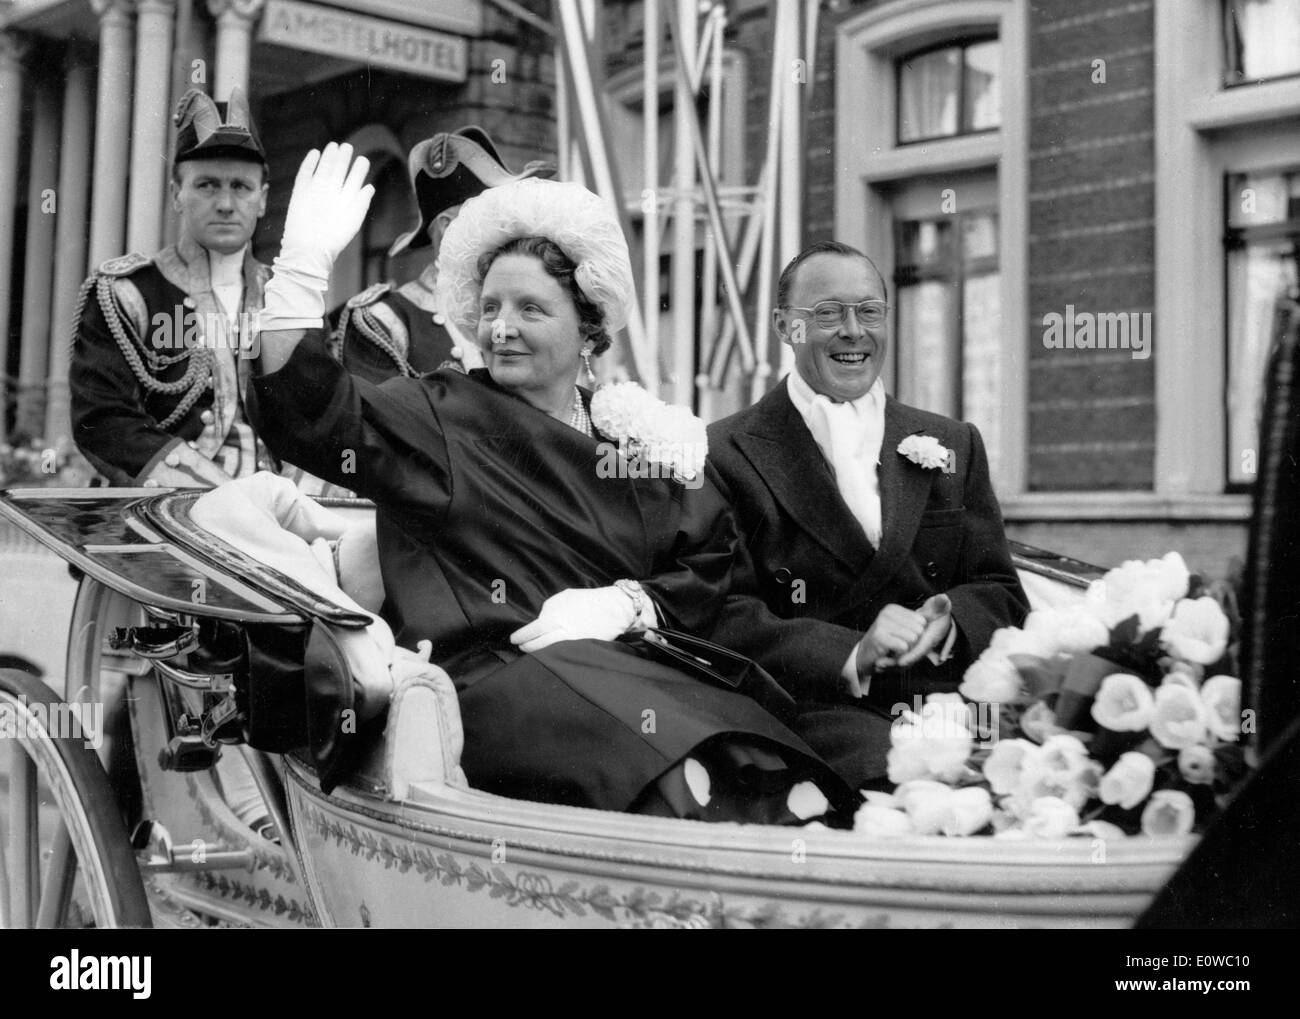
{"x":264,"y":858}
{"x":528,"y":889}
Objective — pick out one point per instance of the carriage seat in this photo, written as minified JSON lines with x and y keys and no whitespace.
{"x":268,"y":519}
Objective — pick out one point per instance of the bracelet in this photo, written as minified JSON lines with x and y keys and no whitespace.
{"x":634,"y":591}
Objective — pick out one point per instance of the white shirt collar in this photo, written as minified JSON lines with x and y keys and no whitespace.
{"x":802,"y":395}
{"x":849,"y":435}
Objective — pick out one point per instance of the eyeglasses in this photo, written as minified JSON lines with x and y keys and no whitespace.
{"x":830,"y":314}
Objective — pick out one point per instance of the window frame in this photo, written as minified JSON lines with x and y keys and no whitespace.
{"x":957,"y":271}
{"x":963,"y":44}
{"x":1228,"y":71}
{"x":867,"y":46}
{"x":1240,"y":238}
{"x":1204,"y":129}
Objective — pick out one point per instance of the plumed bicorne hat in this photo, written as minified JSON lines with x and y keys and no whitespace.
{"x":207,"y":129}
{"x":449,"y":169}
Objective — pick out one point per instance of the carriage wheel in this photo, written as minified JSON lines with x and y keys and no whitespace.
{"x":64,"y":850}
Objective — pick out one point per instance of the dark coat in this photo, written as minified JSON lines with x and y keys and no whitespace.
{"x":486,"y":507}
{"x":814,"y":584}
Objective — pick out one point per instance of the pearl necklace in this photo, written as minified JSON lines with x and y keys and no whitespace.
{"x":579,"y":419}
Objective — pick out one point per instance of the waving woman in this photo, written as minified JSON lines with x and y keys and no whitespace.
{"x":502,"y":537}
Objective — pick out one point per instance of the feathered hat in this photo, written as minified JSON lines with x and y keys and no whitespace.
{"x":450,"y":168}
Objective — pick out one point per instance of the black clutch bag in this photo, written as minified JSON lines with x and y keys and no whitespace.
{"x":717,"y":665}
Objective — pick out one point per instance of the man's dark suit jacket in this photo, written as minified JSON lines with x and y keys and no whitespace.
{"x":814,"y":584}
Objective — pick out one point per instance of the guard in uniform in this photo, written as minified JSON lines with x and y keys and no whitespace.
{"x":385,"y":330}
{"x":164,"y":343}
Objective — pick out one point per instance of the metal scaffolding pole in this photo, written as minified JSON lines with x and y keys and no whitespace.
{"x":579,"y":45}
{"x":770,"y":220}
{"x":650,"y":179}
{"x":685,"y":24}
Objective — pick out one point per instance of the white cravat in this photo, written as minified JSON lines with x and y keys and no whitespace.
{"x":850,"y":436}
{"x":238,"y":455}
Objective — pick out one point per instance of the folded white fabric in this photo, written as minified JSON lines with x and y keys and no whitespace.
{"x":268,"y":519}
{"x":425,"y":736}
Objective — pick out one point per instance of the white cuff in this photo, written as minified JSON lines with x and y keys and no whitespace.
{"x":644,"y":614}
{"x":293,"y":299}
{"x":853,"y":685}
{"x":944,"y":653}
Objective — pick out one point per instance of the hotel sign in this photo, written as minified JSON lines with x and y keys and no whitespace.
{"x":373,"y":41}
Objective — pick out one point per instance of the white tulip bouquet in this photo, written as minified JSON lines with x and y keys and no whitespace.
{"x":1119,"y":717}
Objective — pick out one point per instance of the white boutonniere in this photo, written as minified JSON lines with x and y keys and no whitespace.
{"x":648,"y":430}
{"x":927,"y":451}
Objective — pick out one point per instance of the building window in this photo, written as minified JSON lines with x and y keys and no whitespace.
{"x":1262,"y":40}
{"x":1263,"y":264}
{"x":948,"y":91}
{"x":945,"y":220}
{"x":949,"y":325}
{"x":1229,"y":149}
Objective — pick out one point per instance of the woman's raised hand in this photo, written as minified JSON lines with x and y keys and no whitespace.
{"x":329,"y":202}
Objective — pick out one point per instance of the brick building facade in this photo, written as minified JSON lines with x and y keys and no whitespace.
{"x":1096,"y":180}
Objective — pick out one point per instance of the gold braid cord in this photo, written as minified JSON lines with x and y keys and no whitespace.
{"x":371,"y":332}
{"x":198,"y":373}
{"x":334,"y":345}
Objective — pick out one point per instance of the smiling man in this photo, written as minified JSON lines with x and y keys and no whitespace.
{"x":163,"y":345}
{"x":878,"y":567}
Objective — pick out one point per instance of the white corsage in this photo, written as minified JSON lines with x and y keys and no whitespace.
{"x":926,"y":450}
{"x":648,"y":430}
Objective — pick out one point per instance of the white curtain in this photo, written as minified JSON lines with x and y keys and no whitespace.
{"x":982,"y":356}
{"x":927,"y":331}
{"x":1270,"y":37}
{"x":927,"y":95}
{"x":1257,"y":277}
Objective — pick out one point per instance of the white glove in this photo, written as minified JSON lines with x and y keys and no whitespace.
{"x":326,"y":209}
{"x":595,"y":613}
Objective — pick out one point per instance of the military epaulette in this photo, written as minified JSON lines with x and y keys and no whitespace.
{"x":370,"y":295}
{"x":123,"y":265}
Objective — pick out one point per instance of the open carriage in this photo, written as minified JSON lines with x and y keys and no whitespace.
{"x":196,"y":650}
{"x":174,"y":631}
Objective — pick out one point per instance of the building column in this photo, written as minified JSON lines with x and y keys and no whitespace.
{"x":235,"y":19}
{"x":193,"y":67}
{"x":151,"y":112}
{"x":112,"y":130}
{"x":13,"y":48}
{"x":38,"y":259}
{"x":70,"y":239}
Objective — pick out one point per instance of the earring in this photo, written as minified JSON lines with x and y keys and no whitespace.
{"x":586,"y":361}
